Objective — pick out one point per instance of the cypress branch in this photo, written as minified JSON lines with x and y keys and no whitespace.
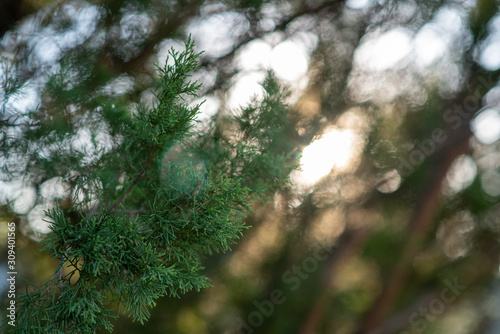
{"x":142,"y":218}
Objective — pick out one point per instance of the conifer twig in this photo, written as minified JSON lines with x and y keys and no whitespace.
{"x":137,"y":179}
{"x":58,"y":273}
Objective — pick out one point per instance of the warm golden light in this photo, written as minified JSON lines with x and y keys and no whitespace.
{"x":335,"y":149}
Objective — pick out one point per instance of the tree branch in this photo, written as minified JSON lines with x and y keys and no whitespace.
{"x":137,"y":179}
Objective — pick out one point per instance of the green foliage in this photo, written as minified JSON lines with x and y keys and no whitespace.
{"x":256,"y":149}
{"x":147,"y":209}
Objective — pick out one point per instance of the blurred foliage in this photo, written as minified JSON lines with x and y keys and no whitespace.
{"x":123,"y":252}
{"x":403,"y":238}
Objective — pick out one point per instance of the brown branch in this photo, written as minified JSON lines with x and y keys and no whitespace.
{"x":419,"y":226}
{"x":469,"y":274}
{"x":429,"y":204}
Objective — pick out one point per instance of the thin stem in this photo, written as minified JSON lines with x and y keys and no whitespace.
{"x":58,"y":273}
{"x":137,"y":179}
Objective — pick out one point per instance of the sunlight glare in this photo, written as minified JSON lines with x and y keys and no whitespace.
{"x":333,"y":150}
{"x":489,"y":57}
{"x":357,"y":4}
{"x":254,"y":56}
{"x":289,"y":61}
{"x":429,"y":46}
{"x":460,"y":175}
{"x":215,"y":34}
{"x":486,"y":126}
{"x":383,"y":52}
{"x":38,"y":220}
{"x":245,"y":88}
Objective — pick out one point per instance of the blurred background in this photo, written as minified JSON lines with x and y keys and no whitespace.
{"x":392,"y":224}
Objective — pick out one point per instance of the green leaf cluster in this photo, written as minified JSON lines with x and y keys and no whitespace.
{"x":147,"y":209}
{"x":255,"y":144}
